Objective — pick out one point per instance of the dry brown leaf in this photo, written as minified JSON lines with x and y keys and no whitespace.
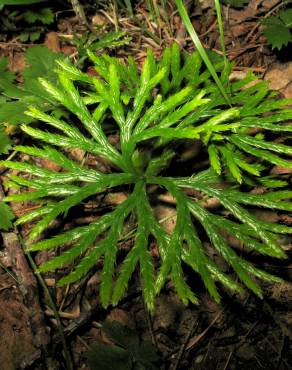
{"x":52,"y":41}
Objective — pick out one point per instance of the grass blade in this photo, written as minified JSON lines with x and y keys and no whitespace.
{"x":186,"y":20}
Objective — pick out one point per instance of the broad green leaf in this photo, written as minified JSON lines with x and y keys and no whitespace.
{"x":277,"y":32}
{"x":5,"y":75}
{"x":41,"y":62}
{"x":44,"y":15}
{"x":6,"y":216}
{"x":5,"y":142}
{"x":13,"y":113}
{"x":108,"y":357}
{"x":286,"y":16}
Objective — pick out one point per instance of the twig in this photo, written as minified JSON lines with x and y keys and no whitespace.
{"x":276,"y":7}
{"x":28,"y":288}
{"x":79,"y":11}
{"x":69,"y":363}
{"x":27,"y":285}
{"x":280,"y":358}
{"x":193,"y":342}
{"x":253,"y":69}
{"x":228,"y":360}
{"x":9,"y":273}
{"x":146,"y":31}
{"x":70,"y":330}
{"x":267,"y":308}
{"x":277,"y":352}
{"x":184,"y":345}
{"x":151,"y":330}
{"x":116,"y":22}
{"x":240,"y":51}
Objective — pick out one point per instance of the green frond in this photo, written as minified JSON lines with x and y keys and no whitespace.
{"x":164,"y":63}
{"x":125,"y":273}
{"x":278,"y":148}
{"x":246,"y":166}
{"x":114,"y":94}
{"x":191,"y":69}
{"x":54,"y":122}
{"x":196,"y":253}
{"x":69,"y":256}
{"x":111,"y":241}
{"x":52,"y":177}
{"x":263,"y":154}
{"x":85,"y":265}
{"x":77,"y":233}
{"x":83,"y":193}
{"x":62,"y":141}
{"x":214,"y":158}
{"x":99,"y":64}
{"x":27,"y":217}
{"x":147,"y":84}
{"x":183,"y":111}
{"x":79,"y":172}
{"x":264,"y":200}
{"x":231,"y":164}
{"x":227,"y":115}
{"x":245,"y":217}
{"x":133,"y":70}
{"x":224,"y":250}
{"x":73,"y":72}
{"x":158,"y":109}
{"x":135,"y":122}
{"x":141,"y":242}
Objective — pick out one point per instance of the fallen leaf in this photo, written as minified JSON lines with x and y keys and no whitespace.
{"x":52,"y":41}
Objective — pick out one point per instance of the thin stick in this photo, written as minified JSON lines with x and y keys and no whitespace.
{"x":150,"y":325}
{"x":79,"y":11}
{"x":68,"y":360}
{"x":184,"y":345}
{"x":276,"y":7}
{"x":9,"y":273}
{"x":195,"y":38}
{"x":198,"y":338}
{"x":228,"y":360}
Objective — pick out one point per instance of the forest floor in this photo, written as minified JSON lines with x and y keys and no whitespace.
{"x":243,"y":332}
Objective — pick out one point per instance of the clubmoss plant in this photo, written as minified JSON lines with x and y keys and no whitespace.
{"x":151,"y":112}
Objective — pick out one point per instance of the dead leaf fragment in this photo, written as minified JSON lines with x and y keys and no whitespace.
{"x":52,"y":41}
{"x":280,"y":76}
{"x":98,"y":20}
{"x":16,"y":62}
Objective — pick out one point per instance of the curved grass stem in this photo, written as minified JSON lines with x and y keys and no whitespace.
{"x":187,"y":22}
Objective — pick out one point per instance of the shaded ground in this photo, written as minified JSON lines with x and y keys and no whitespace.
{"x":242,"y":333}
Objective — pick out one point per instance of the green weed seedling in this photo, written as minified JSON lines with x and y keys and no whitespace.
{"x":15,"y":99}
{"x":36,"y":20}
{"x":278,"y":29}
{"x":129,"y":351}
{"x":153,"y":111}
